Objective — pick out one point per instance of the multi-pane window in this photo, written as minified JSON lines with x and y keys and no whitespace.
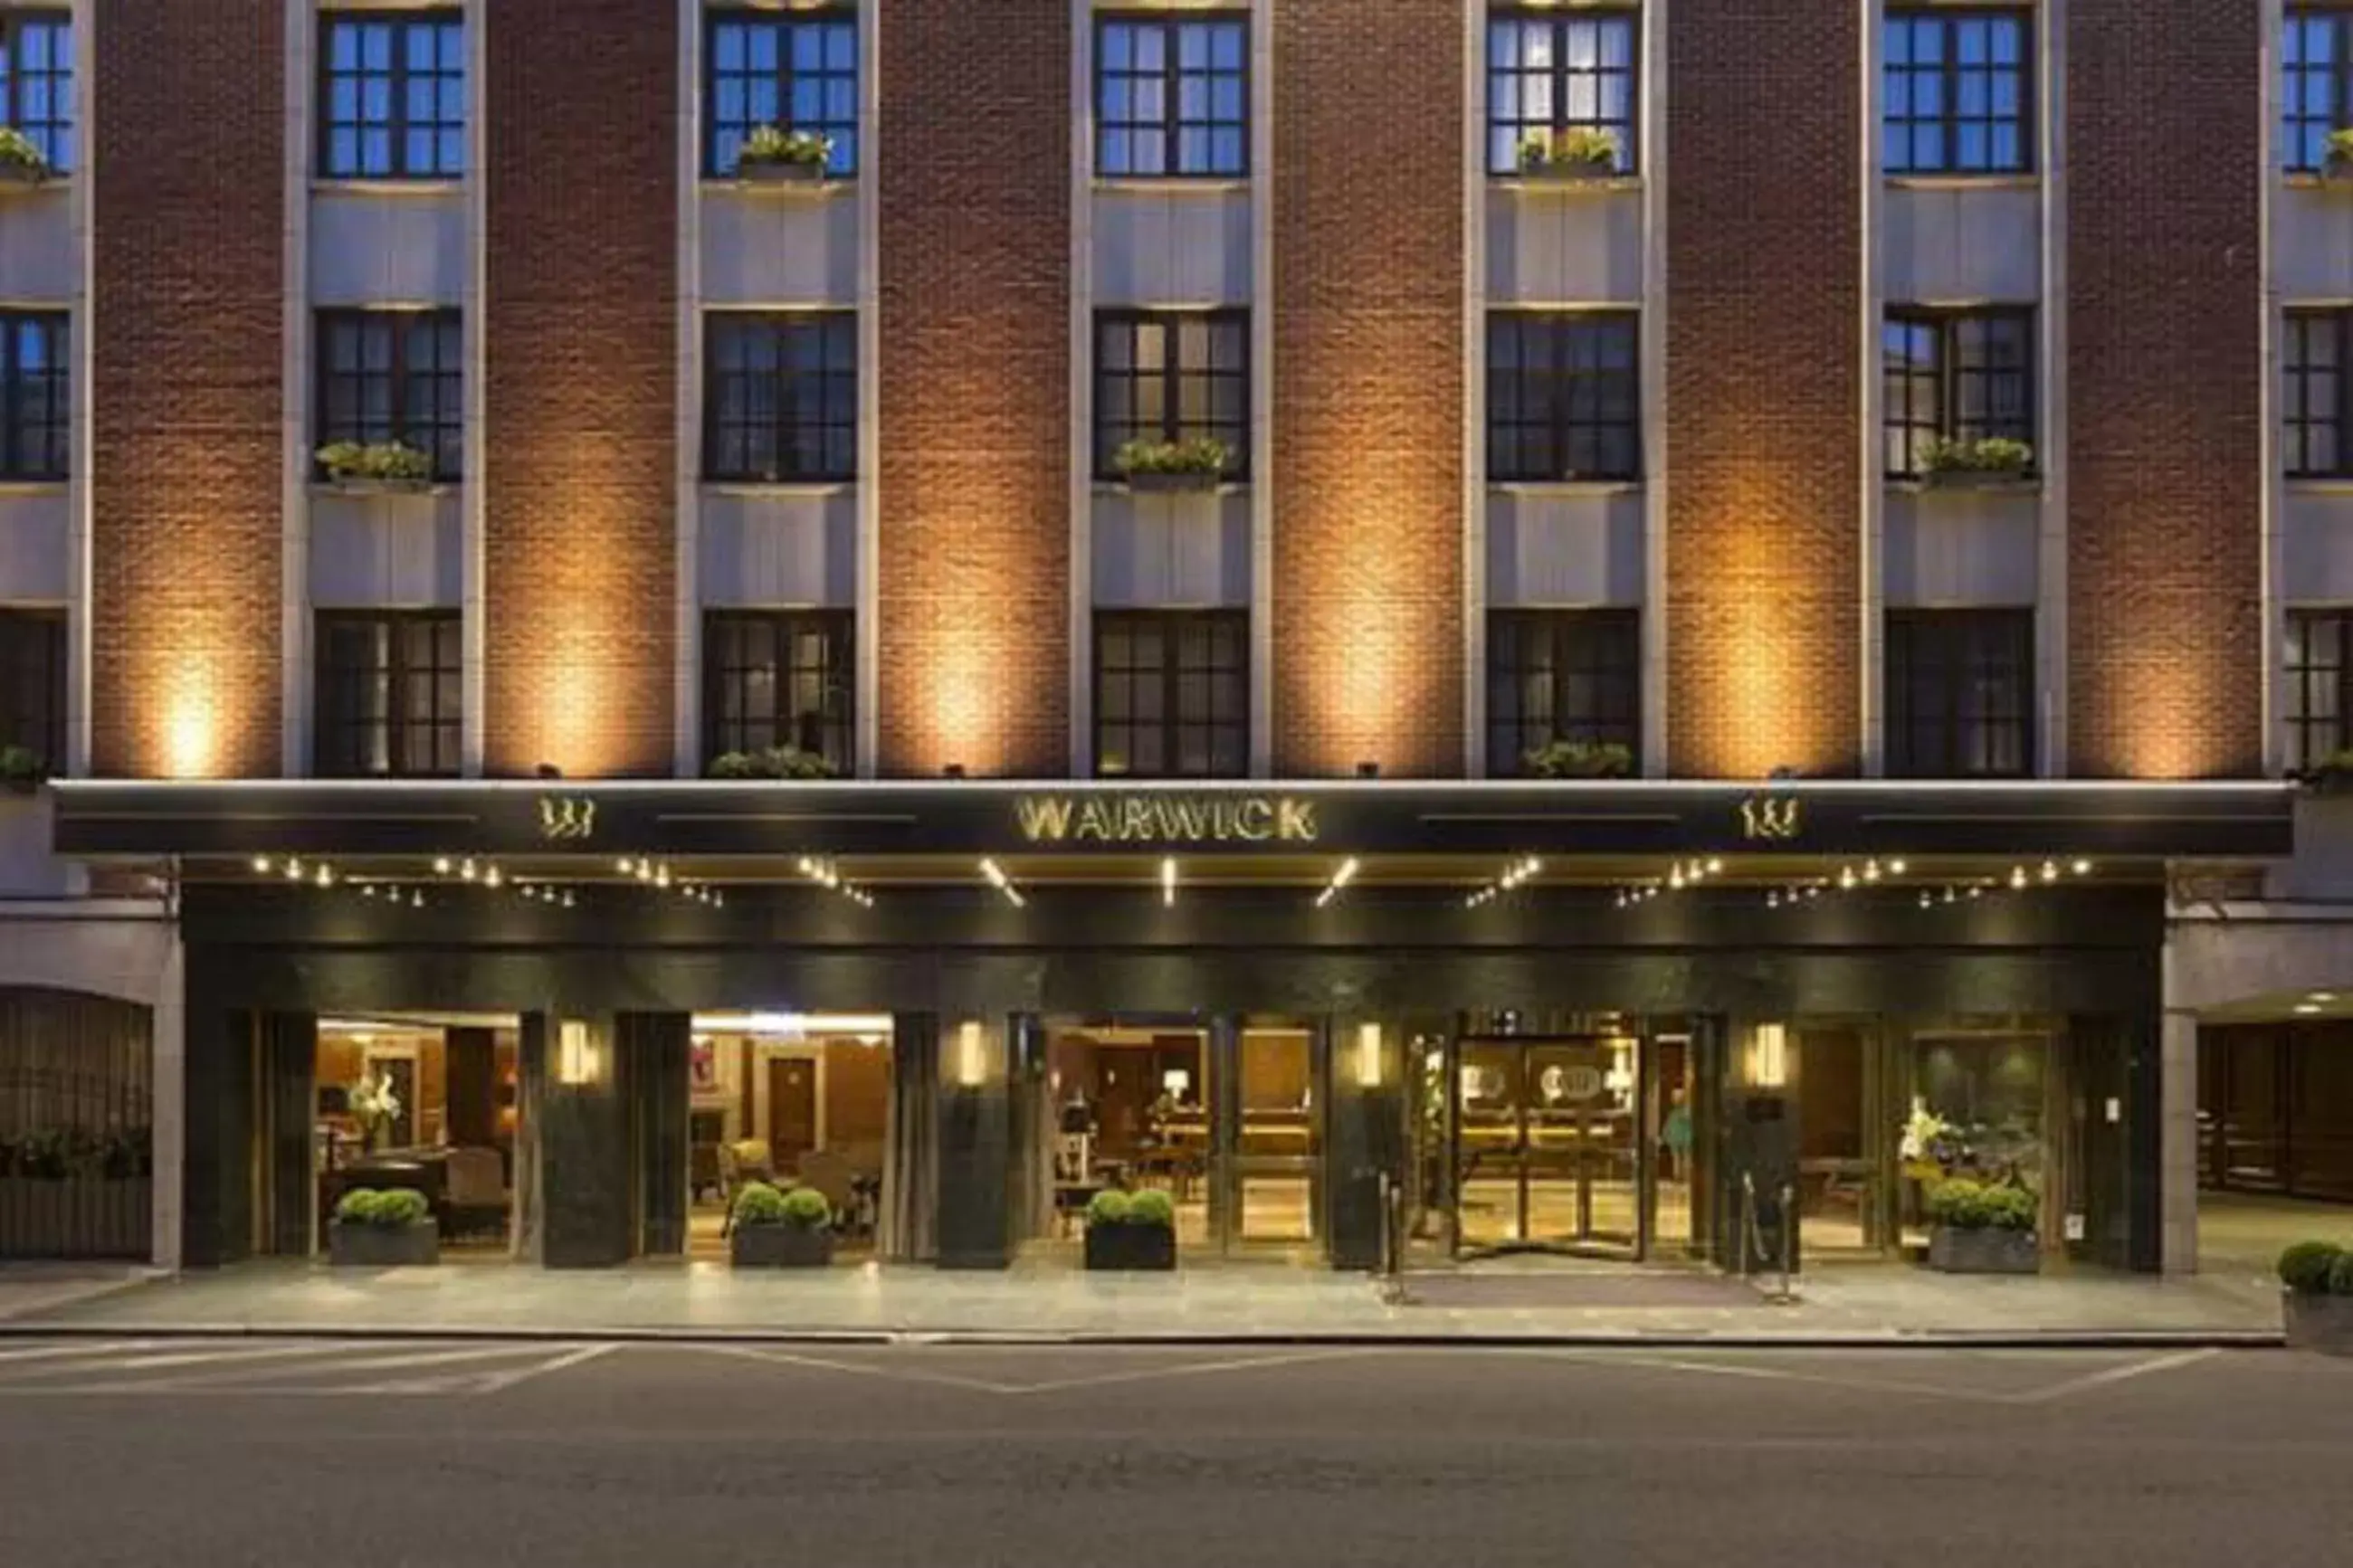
{"x":1564,"y":399}
{"x":780,"y":400}
{"x":778,"y":678}
{"x":392,"y":102}
{"x":1172,"y":694}
{"x":36,"y":404}
{"x":2317,"y":85}
{"x":1172,"y":96}
{"x":1553,"y":71}
{"x":1562,"y":675}
{"x":36,"y":81}
{"x":391,"y":694}
{"x":1958,"y":91}
{"x":33,"y":683}
{"x":2318,"y":699}
{"x":393,"y":376}
{"x":1960,"y":693}
{"x":1172,"y":375}
{"x":1958,"y":375}
{"x":794,"y":70}
{"x":2313,"y":345}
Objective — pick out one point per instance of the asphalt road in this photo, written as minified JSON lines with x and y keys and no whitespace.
{"x":285,"y":1453}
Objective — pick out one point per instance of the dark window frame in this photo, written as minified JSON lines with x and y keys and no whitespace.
{"x":2303,"y":131}
{"x":1949,"y":121}
{"x":1903,"y":434}
{"x":2300,"y":378}
{"x":1596,"y":653}
{"x":1962,"y":649}
{"x":433,"y":423}
{"x":1172,"y":374}
{"x":828,"y":412}
{"x":1173,"y":126}
{"x":400,"y":76}
{"x":735,"y":727}
{"x":1502,"y":154}
{"x":37,"y":433}
{"x":440,"y":737}
{"x":1228,"y":712}
{"x":2312,"y":633}
{"x":33,"y":660}
{"x":57,"y":133}
{"x":1574,"y":396}
{"x":724,"y":134}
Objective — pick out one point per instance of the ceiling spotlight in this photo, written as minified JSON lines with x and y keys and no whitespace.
{"x":2051,"y":870}
{"x":326,"y":878}
{"x":645,"y":870}
{"x":1871,"y":871}
{"x":490,"y":878}
{"x":261,"y":865}
{"x":625,"y":865}
{"x":567,"y":897}
{"x":467,"y":869}
{"x":1846,"y":876}
{"x":2307,"y":1007}
{"x":1895,"y":868}
{"x":2320,"y":996}
{"x":2018,"y":876}
{"x":2080,"y":867}
{"x":1772,"y":900}
{"x":441,"y":865}
{"x":417,"y":900}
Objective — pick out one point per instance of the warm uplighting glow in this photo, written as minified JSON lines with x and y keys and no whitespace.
{"x":1168,"y":883}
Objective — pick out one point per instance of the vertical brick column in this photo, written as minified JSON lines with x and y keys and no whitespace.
{"x":972,"y":169}
{"x":1764,"y":404}
{"x":2165,"y":477}
{"x":1368,"y":387}
{"x":580,"y":397}
{"x":187,"y":487}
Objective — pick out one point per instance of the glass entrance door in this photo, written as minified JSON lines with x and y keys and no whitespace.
{"x":1270,"y":1140}
{"x":1548,"y":1145}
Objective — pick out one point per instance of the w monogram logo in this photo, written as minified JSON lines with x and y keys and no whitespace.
{"x":1773,"y":817}
{"x":565,"y":816}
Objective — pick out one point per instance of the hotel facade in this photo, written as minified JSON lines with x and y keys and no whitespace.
{"x":1438,"y":627}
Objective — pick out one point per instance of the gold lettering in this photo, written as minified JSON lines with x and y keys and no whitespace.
{"x":1165,"y":819}
{"x":1195,"y":820}
{"x":1254,"y":820}
{"x":1044,"y":817}
{"x":566,"y":816}
{"x":1769,"y":817}
{"x":1097,"y":821}
{"x":1295,"y":819}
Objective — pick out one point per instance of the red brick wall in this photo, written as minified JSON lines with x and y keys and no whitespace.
{"x":580,"y":405}
{"x":2164,"y":379}
{"x":973,"y":180}
{"x":1369,"y":387}
{"x":1763,"y":402}
{"x":188,"y":330}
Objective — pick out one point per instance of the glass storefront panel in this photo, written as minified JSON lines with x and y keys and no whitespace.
{"x":1549,"y":1139}
{"x":1278,"y":1142}
{"x":1978,"y":1108}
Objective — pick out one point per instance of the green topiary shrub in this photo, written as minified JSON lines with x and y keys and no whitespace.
{"x":2305,"y":1268}
{"x":1193,"y":454}
{"x":1110,"y":1206}
{"x":1152,"y":1207}
{"x":2340,"y":1275}
{"x":806,"y":1208}
{"x":759,"y":1203}
{"x":392,"y":1208}
{"x":1976,"y":1206}
{"x":357,"y":1206}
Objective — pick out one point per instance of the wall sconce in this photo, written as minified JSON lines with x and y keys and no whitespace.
{"x":975,"y":1057}
{"x":1768,"y":1057}
{"x":1371,"y":1066}
{"x":578,"y":1060}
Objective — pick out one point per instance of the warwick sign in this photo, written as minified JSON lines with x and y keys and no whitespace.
{"x":1165,"y":819}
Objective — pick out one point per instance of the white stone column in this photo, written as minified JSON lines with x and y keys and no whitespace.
{"x":2178,"y":1130}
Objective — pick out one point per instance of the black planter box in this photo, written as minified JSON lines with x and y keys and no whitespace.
{"x":1570,"y":171}
{"x":2323,"y":1323}
{"x":1138,"y":1247}
{"x":384,"y":1245}
{"x":1953,"y":1251}
{"x":779,"y":172}
{"x":1975,"y":479}
{"x":1174,"y":481}
{"x":779,"y":1246}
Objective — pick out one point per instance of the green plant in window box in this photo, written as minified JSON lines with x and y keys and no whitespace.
{"x":1580,"y":760}
{"x":773,"y":155}
{"x":2337,"y":158}
{"x":1963,"y":461}
{"x":22,"y":769}
{"x":772,"y":763}
{"x":21,"y":162}
{"x":2333,"y":775}
{"x":1194,"y":463}
{"x":1579,"y":152}
{"x":376,"y":465}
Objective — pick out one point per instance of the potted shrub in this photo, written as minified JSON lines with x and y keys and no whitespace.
{"x":391,"y":1228}
{"x":1966,"y":461}
{"x":1579,"y":152}
{"x":2317,"y":1286}
{"x":771,"y":762}
{"x":1195,"y":463}
{"x":1131,"y":1231}
{"x":21,"y":162}
{"x":22,"y":769}
{"x":374,"y":465}
{"x":772,"y":155}
{"x":780,"y":1229}
{"x":2337,"y":162}
{"x":1580,"y":760}
{"x":1983,"y":1228}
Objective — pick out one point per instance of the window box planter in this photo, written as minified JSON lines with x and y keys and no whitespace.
{"x":1131,"y":1248}
{"x":1966,"y":462}
{"x":780,"y":1245}
{"x":1974,"y":479}
{"x":363,"y":487}
{"x":22,"y":167}
{"x":22,"y":178}
{"x":2319,"y":1323}
{"x":2333,"y":776}
{"x":1173,"y":482}
{"x":359,"y":1244}
{"x":1953,"y":1251}
{"x":778,"y":172}
{"x":1570,"y":171}
{"x":381,"y":467}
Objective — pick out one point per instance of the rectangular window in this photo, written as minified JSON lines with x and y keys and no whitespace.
{"x":2316,"y":70}
{"x":778,"y":678}
{"x":1960,"y":88}
{"x":37,"y":81}
{"x":1562,"y":675}
{"x":780,"y":398}
{"x":1172,"y":694}
{"x":391,"y":697}
{"x":35,"y":402}
{"x":1554,"y":72}
{"x":2317,"y":699}
{"x":33,"y":683}
{"x":395,"y":376}
{"x":391,"y":100}
{"x":2312,"y":393}
{"x":1172,"y":375}
{"x":1955,"y":375}
{"x":1563,"y":398}
{"x":1172,"y":96}
{"x":1960,"y":693}
{"x":794,"y":70}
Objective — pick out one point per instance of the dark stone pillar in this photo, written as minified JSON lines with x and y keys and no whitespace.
{"x":473,"y":1087}
{"x":584,"y":1189}
{"x":976,"y":1133}
{"x":652,"y":1052}
{"x":290,"y":1058}
{"x":1364,"y":1122}
{"x":216,"y":1207}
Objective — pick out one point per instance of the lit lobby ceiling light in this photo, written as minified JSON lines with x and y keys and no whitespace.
{"x":1168,"y":883}
{"x":1002,"y":883}
{"x":1340,"y":879}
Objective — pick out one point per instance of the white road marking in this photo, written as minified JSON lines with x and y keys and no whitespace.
{"x":109,"y":1361}
{"x":79,"y":1347}
{"x":499,"y":1381}
{"x":1193,"y":1369}
{"x":2115,"y":1374}
{"x":438,"y":1357}
{"x":859,"y":1369}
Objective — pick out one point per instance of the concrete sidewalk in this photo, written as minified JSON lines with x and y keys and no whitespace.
{"x":1866,"y":1304}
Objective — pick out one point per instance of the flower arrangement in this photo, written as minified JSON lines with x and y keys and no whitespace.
{"x":1929,"y":1143}
{"x":21,"y":158}
{"x":1976,"y":456}
{"x":2339,"y":152}
{"x":1579,"y":150}
{"x":379,"y":462}
{"x":374,"y":1104}
{"x":1192,"y":462}
{"x":772,"y":147}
